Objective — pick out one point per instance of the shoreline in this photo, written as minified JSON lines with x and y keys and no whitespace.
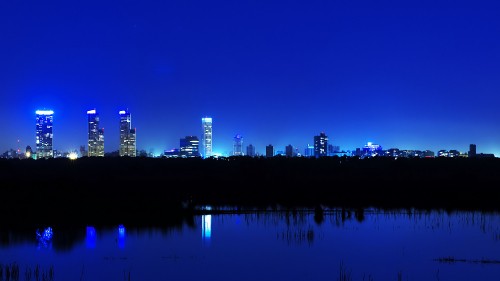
{"x":147,"y":189}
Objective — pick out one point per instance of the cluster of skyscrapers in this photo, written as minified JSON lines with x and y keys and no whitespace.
{"x":44,"y":135}
{"x":190,"y":145}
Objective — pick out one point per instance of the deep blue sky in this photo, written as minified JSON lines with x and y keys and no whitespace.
{"x":406,"y":74}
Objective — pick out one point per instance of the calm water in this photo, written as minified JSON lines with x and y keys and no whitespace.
{"x":375,"y":246}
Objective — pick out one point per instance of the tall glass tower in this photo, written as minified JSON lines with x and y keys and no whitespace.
{"x":96,"y":135}
{"x":127,"y":135}
{"x":238,"y":145}
{"x":44,"y":148}
{"x":206,"y":123}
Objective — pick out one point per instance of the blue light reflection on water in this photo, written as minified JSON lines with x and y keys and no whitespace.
{"x":121,"y":236}
{"x":281,"y":247}
{"x":206,"y":228}
{"x":44,"y":237}
{"x":91,"y":237}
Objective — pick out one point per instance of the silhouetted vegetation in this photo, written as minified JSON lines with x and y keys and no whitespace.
{"x":11,"y":272}
{"x":144,"y":190}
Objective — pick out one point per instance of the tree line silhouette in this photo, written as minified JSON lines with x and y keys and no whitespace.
{"x":145,"y":189}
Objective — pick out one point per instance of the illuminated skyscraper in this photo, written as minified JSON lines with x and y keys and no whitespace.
{"x":190,"y":146}
{"x":238,"y":145}
{"x":309,"y":151}
{"x":44,"y":148}
{"x":206,"y":123}
{"x":96,"y":135}
{"x":127,"y":135}
{"x":320,"y":145}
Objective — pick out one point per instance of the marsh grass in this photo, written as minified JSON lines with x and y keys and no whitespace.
{"x":455,"y":260}
{"x":344,"y":273}
{"x":11,"y":272}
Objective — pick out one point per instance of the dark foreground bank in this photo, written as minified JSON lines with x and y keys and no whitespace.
{"x":152,"y":189}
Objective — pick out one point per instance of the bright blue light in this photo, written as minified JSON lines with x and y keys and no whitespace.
{"x":91,"y":237}
{"x":206,"y":227}
{"x":121,"y":236}
{"x":45,"y":237}
{"x":44,"y":112}
{"x":121,"y":230}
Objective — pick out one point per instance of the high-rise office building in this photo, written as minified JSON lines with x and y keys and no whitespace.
{"x":309,"y":151}
{"x":269,"y":150}
{"x":320,"y":145}
{"x":472,"y":151}
{"x":190,"y":147}
{"x":289,"y":150}
{"x":238,"y":145}
{"x":95,"y":135}
{"x":206,"y":123}
{"x":127,"y":135}
{"x":251,"y":150}
{"x":44,"y":136}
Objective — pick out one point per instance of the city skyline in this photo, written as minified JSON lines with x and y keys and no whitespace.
{"x":95,"y":145}
{"x":407,"y":75}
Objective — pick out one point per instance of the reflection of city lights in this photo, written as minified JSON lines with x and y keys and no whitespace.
{"x":206,"y":227}
{"x":121,"y":230}
{"x":91,"y":237}
{"x":45,"y":237}
{"x":121,"y":236}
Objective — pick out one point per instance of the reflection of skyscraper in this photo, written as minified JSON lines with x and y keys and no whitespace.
{"x":238,"y":145}
{"x":44,"y":148}
{"x":127,"y":135}
{"x":95,"y":134}
{"x":207,"y":136}
{"x":206,"y":227}
{"x":121,"y":236}
{"x":91,"y":237}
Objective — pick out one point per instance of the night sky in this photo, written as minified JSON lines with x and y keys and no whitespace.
{"x":405,"y":74}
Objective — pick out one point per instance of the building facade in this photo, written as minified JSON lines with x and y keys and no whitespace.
{"x":251,"y":150}
{"x":289,"y":150}
{"x":320,"y":145}
{"x":95,"y":135}
{"x":127,"y":135}
{"x":238,"y":145}
{"x":189,"y":147}
{"x":269,"y":150}
{"x":44,"y":135}
{"x":472,"y":150}
{"x":206,"y":123}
